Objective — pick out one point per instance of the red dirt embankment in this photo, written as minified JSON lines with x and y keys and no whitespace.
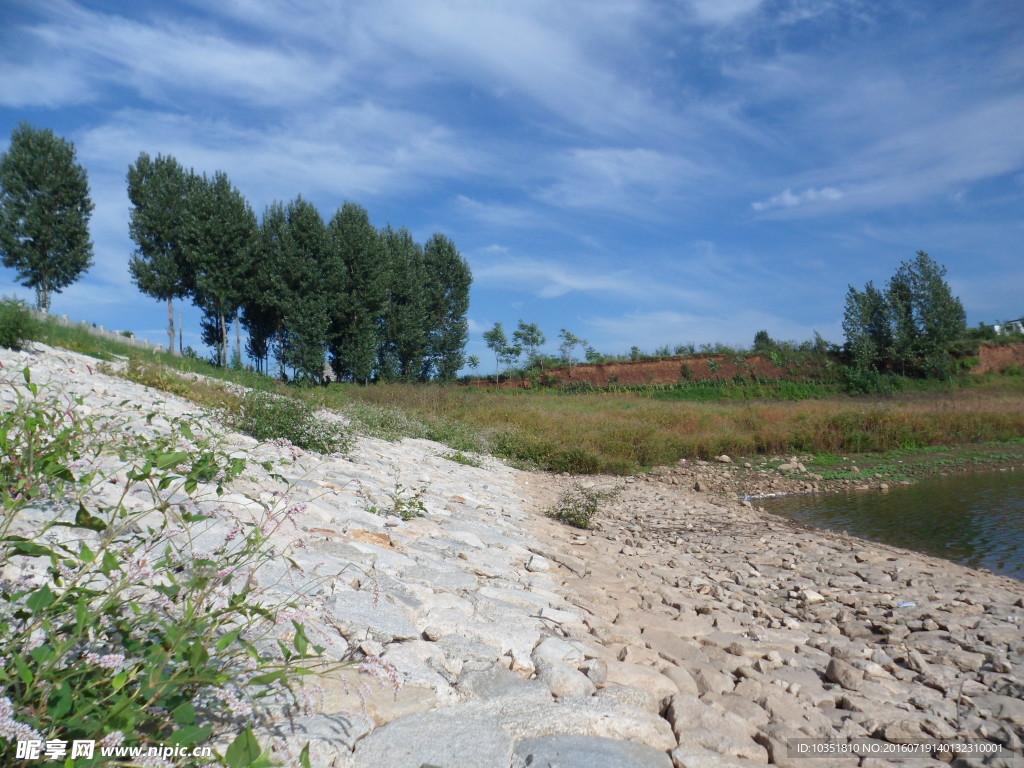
{"x":673,"y":370}
{"x":670,"y":371}
{"x":998,"y":358}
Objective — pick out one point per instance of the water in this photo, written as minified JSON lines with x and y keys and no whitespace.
{"x":977,"y":520}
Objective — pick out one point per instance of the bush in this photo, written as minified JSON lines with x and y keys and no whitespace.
{"x":578,"y":505}
{"x":273,"y":417}
{"x":17,"y":325}
{"x":128,"y":630}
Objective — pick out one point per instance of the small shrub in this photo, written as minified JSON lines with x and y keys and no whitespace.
{"x":406,"y":503}
{"x":460,"y":458}
{"x":578,"y":505}
{"x":17,"y":325}
{"x":272,"y":417}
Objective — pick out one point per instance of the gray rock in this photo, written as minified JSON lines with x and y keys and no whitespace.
{"x":563,"y":679}
{"x":494,"y":681}
{"x":364,"y":615}
{"x":565,"y":751}
{"x":443,"y":737}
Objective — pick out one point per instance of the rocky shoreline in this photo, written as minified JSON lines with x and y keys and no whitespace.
{"x":685,"y":630}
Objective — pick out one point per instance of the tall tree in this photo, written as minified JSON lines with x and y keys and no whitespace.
{"x":357,"y":256}
{"x":264,"y":294}
{"x":222,"y":232}
{"x":404,"y":331}
{"x":157,"y":190}
{"x":44,"y":212}
{"x":448,"y":282}
{"x":307,"y":287}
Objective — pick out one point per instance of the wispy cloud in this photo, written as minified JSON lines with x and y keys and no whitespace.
{"x":789,"y":199}
{"x":166,"y":60}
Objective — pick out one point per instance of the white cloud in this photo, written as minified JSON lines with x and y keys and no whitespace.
{"x":789,"y":199}
{"x":173,"y":61}
{"x":635,"y":182}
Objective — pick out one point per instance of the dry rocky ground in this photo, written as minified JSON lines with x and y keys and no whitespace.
{"x":685,"y":631}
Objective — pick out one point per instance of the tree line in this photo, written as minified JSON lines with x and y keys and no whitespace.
{"x":376,"y":305}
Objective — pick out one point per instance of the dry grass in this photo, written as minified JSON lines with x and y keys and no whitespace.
{"x":623,"y":432}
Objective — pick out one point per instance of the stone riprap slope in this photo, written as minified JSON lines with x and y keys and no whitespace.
{"x":685,"y":632}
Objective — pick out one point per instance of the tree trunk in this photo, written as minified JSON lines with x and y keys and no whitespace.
{"x":223,"y":340}
{"x":170,"y":325}
{"x":181,"y":336}
{"x":238,"y":339}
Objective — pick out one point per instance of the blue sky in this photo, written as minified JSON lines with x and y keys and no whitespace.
{"x":638,"y":171}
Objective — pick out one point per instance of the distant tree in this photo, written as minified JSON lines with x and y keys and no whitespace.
{"x":473,"y":362}
{"x":447,"y":301}
{"x":569,"y":343}
{"x":529,"y":338}
{"x":763,"y":342}
{"x":405,"y":334}
{"x":357,"y":258}
{"x":157,"y":223}
{"x":912,"y":327}
{"x":222,"y":233}
{"x":505,"y":354}
{"x":44,"y":212}
{"x":928,"y":318}
{"x":266,"y":292}
{"x":866,"y":324}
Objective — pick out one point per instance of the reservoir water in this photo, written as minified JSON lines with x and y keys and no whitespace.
{"x":976,"y":520}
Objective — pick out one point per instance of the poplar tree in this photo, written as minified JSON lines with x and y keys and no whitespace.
{"x":157,"y":190}
{"x":222,"y":231}
{"x":447,"y":296}
{"x":357,"y":257}
{"x":306,"y":286}
{"x":44,"y":212}
{"x":404,"y":332}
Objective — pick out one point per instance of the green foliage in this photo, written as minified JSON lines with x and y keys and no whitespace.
{"x":448,"y":282}
{"x":221,"y":235}
{"x":461,"y":458}
{"x":357,"y":254}
{"x":17,"y":325}
{"x":127,"y":629}
{"x":44,"y":212}
{"x":505,"y":354}
{"x":911,"y":328}
{"x":158,"y":222}
{"x":405,"y":336}
{"x":529,"y":338}
{"x":406,"y":503}
{"x":578,"y":505}
{"x":266,"y":416}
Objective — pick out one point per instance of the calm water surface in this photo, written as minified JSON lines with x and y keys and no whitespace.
{"x":976,"y":520}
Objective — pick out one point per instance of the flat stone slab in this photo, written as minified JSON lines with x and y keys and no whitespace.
{"x":439,"y":738}
{"x":566,"y":751}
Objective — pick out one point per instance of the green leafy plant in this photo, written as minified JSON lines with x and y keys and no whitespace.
{"x":266,"y":416}
{"x":120,"y":621}
{"x":578,"y":505}
{"x":406,"y":503}
{"x":460,"y":458}
{"x":17,"y":326}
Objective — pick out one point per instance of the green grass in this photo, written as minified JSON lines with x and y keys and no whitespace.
{"x":623,"y":431}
